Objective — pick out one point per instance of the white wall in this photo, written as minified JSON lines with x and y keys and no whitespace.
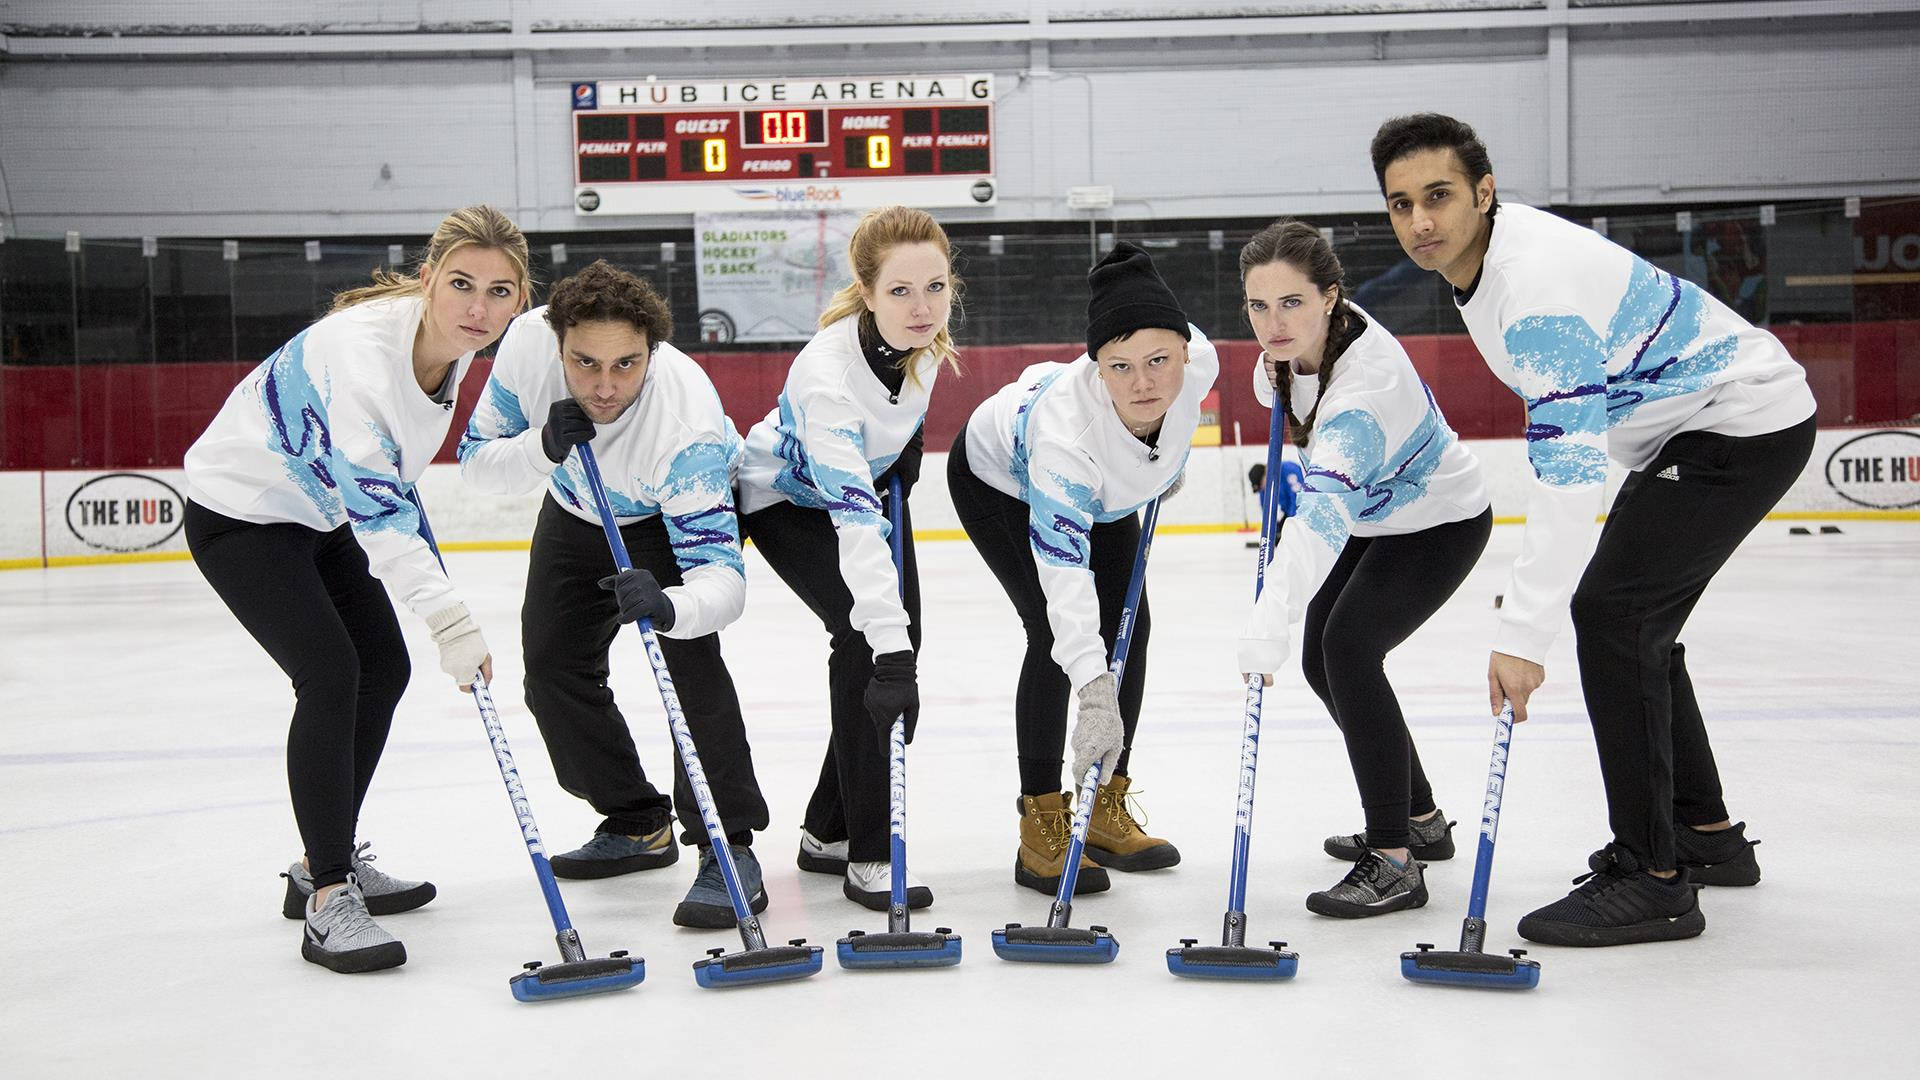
{"x":267,"y":119}
{"x":1658,"y":117}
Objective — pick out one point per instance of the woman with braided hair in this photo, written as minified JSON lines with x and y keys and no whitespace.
{"x":1392,"y":516}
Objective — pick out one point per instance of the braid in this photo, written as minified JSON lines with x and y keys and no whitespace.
{"x":1283,"y":386}
{"x":1343,"y":329}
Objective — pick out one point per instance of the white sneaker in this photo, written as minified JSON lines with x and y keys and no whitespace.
{"x":820,"y":857}
{"x":870,"y":884}
{"x":341,"y":936}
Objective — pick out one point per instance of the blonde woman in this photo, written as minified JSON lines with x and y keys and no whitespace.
{"x":848,"y":421}
{"x":298,"y":514}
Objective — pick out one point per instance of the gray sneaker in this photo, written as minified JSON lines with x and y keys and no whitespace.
{"x":610,"y":854}
{"x":1373,"y":887}
{"x":343,"y":937}
{"x":1432,"y":841}
{"x":384,"y":895}
{"x":707,"y":906}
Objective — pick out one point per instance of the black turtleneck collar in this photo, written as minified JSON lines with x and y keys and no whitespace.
{"x":887,"y":362}
{"x":1462,"y":296}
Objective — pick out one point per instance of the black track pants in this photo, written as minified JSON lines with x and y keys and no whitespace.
{"x":1381,"y":590}
{"x":1664,"y":539}
{"x":308,"y":599}
{"x":997,"y":524}
{"x":850,"y":800}
{"x":567,"y":625}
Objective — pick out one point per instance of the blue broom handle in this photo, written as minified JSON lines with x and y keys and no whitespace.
{"x":897,"y":740}
{"x":670,"y":699}
{"x":1490,"y":812}
{"x":1122,"y":645}
{"x":502,"y":756}
{"x":1270,"y":508}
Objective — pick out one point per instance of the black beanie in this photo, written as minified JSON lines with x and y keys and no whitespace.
{"x":1128,"y":295}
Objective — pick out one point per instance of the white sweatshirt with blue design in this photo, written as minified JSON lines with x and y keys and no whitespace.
{"x":1613,"y":357}
{"x":673,"y":453}
{"x":331,"y":430}
{"x":1380,"y":461}
{"x":1052,"y":439}
{"x":835,"y":430}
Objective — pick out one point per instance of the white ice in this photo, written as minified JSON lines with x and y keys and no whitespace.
{"x":144,"y":818}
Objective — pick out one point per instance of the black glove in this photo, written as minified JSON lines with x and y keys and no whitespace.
{"x":894,"y":691}
{"x":906,"y":466}
{"x":567,"y":427}
{"x":640,"y":597}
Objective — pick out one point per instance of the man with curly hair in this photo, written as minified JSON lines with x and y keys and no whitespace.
{"x":594,"y":365}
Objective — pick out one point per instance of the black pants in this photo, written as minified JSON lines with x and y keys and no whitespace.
{"x":850,"y":800}
{"x":997,"y":524}
{"x":1382,"y":589}
{"x":1664,"y":539}
{"x":567,"y":624}
{"x":308,"y":599}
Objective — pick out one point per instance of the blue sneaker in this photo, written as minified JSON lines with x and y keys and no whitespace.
{"x":610,"y":854}
{"x":707,"y":906}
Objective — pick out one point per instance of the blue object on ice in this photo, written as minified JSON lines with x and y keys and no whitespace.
{"x":580,"y":977}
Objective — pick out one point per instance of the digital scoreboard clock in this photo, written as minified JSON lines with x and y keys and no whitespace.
{"x":659,"y":147}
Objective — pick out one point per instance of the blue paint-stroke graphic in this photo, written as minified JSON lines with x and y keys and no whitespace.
{"x":1566,"y":360}
{"x":709,"y":536}
{"x":1060,"y":522}
{"x":299,"y":430}
{"x":1572,"y":396}
{"x":499,"y":415}
{"x":1661,"y":316}
{"x":848,"y":498}
{"x":1350,"y":477}
{"x":297,"y":424}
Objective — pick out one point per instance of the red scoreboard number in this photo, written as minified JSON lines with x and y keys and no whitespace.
{"x":783,"y":127}
{"x":834,"y":142}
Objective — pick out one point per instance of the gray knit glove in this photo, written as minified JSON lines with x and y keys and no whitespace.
{"x":1098,"y":734}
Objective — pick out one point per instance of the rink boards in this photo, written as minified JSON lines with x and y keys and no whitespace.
{"x":79,"y":517}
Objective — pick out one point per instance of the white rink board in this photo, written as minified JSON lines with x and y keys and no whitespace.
{"x":1215,"y":496}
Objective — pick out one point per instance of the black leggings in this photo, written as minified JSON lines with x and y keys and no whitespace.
{"x":1665,"y":538}
{"x":997,"y":524}
{"x":850,"y":800}
{"x":1381,"y":590}
{"x":567,"y":625}
{"x":309,"y":600}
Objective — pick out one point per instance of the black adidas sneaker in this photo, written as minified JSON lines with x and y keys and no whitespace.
{"x":1717,"y":858}
{"x":1618,"y":903}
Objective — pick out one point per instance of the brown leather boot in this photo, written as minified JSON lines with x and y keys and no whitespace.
{"x":1044,"y":821}
{"x":1116,"y":841}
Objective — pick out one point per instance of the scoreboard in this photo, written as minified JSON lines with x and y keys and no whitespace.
{"x":658,"y":147}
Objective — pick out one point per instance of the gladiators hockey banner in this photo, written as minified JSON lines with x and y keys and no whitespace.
{"x":766,"y":277}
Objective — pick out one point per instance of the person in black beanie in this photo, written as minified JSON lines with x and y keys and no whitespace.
{"x":1047,"y":478}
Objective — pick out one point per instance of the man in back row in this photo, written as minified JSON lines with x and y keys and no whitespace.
{"x":1614,"y":357}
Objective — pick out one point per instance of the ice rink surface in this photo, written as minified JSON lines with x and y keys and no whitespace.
{"x":144,"y":821}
